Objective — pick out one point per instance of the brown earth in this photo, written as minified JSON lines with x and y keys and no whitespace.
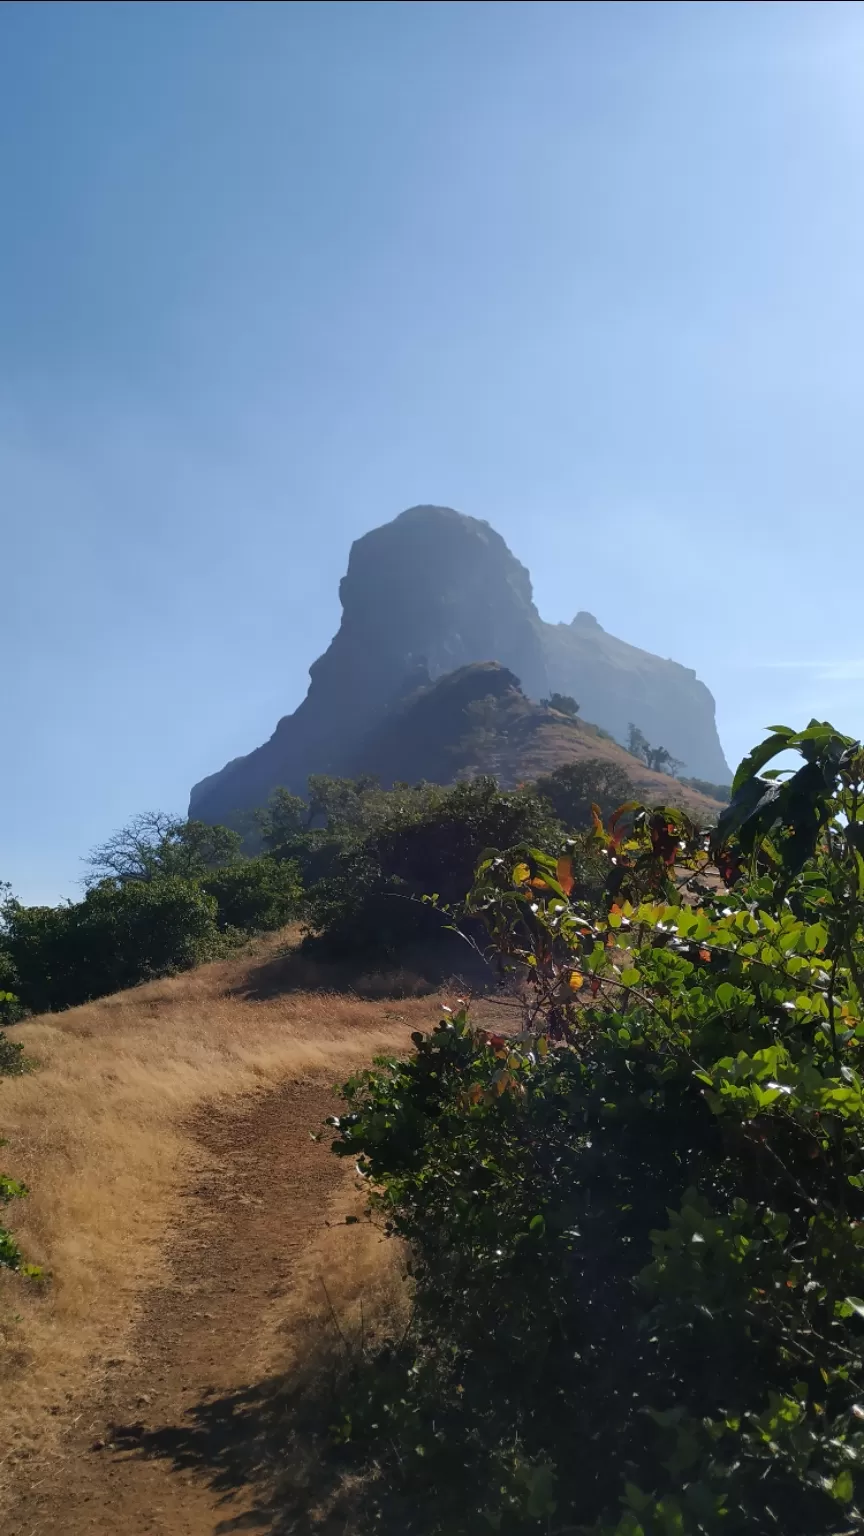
{"x":199,"y":1255}
{"x":183,"y":1436}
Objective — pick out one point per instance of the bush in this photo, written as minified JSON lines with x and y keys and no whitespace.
{"x":117,"y":936}
{"x":637,"y":1227}
{"x":563,"y":702}
{"x":428,"y":844}
{"x":256,"y":895}
{"x":12,"y":1063}
{"x":574,"y":788}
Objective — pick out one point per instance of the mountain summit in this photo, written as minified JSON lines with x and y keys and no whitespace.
{"x":433,"y":591}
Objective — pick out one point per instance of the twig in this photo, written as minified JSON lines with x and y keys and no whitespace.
{"x":336,"y":1324}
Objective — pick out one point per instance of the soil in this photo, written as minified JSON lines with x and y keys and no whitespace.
{"x":184,"y":1436}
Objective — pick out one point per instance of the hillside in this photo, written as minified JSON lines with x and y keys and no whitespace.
{"x":185,"y":1218}
{"x":478,"y":719}
{"x":424,"y":595}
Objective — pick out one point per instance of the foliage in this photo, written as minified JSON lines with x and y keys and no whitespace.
{"x":256,"y":895}
{"x":338,"y":815}
{"x":12,"y":1063}
{"x":637,"y":1226}
{"x":426,"y":842}
{"x":155,"y":845}
{"x":10,"y":1253}
{"x":162,"y":895}
{"x":10,"y":1006}
{"x":117,"y":936}
{"x":574,"y":788}
{"x":563,"y":702}
{"x":659,"y":759}
{"x":284,"y":816}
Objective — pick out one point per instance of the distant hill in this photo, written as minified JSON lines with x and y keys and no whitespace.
{"x":478,"y":719}
{"x":424,"y":596}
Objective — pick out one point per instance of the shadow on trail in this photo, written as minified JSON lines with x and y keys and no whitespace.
{"x":267,"y":1449}
{"x":422,"y":969}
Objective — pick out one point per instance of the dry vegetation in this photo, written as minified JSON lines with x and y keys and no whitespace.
{"x":99,"y":1132}
{"x":539,"y":743}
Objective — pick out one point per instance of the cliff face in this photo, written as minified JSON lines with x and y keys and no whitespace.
{"x":426,"y":594}
{"x":615,"y":683}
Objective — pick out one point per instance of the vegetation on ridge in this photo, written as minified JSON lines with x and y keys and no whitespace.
{"x":636,"y":1226}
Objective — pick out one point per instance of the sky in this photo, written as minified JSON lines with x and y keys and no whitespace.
{"x":271,"y":273}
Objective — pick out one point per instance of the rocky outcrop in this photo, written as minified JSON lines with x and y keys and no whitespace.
{"x":426,"y":594}
{"x":615,"y":683}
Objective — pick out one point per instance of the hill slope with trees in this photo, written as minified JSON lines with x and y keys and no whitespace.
{"x":425,"y":595}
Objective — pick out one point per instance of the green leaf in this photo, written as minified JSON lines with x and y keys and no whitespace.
{"x":750,"y":765}
{"x":537,"y":1225}
{"x":843,"y":1487}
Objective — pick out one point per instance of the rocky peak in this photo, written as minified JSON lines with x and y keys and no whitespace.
{"x":434,"y":591}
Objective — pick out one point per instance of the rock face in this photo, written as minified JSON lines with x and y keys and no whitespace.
{"x":434,"y":591}
{"x":615,"y":683}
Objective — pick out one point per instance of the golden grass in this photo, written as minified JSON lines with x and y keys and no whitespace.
{"x":97,"y":1132}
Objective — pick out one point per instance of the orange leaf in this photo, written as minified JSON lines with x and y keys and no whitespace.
{"x":565,"y":875}
{"x":576,"y":981}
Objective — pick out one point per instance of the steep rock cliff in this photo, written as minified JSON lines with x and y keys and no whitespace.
{"x":615,"y":683}
{"x":426,"y":594}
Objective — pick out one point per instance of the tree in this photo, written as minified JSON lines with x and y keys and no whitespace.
{"x":282,"y":818}
{"x":637,"y":744}
{"x":572,"y":789}
{"x":662,"y":761}
{"x":256,"y":895}
{"x":156,"y":844}
{"x":118,"y":935}
{"x":659,"y":759}
{"x":563,"y":702}
{"x":428,"y":844}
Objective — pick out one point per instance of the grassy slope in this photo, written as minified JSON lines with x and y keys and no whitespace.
{"x":541,"y":745}
{"x":422,"y":739}
{"x":99,"y":1131}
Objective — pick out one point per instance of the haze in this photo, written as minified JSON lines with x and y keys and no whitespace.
{"x":272,"y":273}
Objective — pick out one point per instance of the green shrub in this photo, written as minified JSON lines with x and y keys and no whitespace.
{"x":10,"y":1253}
{"x":427,"y":844}
{"x":12,"y":1063}
{"x":637,"y":1227}
{"x":563,"y":702}
{"x":575,"y":787}
{"x":117,"y":936}
{"x":256,"y":895}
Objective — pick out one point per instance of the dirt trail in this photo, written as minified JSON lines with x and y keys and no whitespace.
{"x":183,"y":1441}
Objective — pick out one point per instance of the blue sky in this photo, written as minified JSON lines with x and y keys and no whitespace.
{"x":272,"y":273}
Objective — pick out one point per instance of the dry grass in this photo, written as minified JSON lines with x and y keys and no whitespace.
{"x":97,"y":1132}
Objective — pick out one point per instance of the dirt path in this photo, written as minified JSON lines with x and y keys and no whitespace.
{"x":184,"y":1440}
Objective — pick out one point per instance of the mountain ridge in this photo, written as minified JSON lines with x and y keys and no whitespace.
{"x":430,"y":592}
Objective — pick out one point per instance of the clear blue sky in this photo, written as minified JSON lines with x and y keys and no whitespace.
{"x":272,"y":273}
